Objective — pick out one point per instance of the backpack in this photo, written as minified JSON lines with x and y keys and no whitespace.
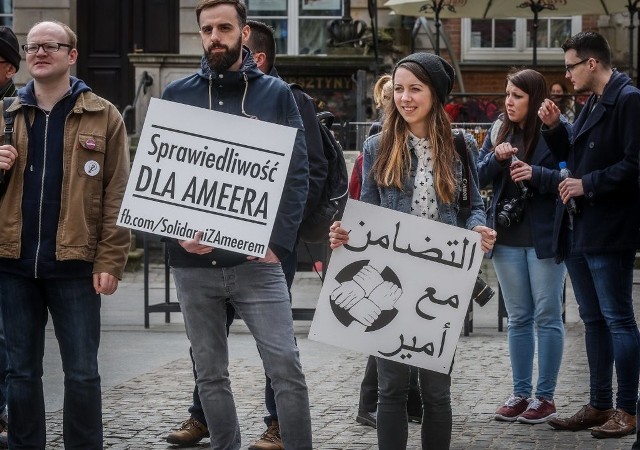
{"x":315,"y":224}
{"x":482,"y":292}
{"x":8,"y":133}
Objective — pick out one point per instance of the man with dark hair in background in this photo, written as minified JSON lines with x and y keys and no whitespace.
{"x":262,"y":44}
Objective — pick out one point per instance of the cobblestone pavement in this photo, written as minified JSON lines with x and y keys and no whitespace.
{"x":139,"y":412}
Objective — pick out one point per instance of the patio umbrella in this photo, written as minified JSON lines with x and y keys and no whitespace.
{"x":485,"y":9}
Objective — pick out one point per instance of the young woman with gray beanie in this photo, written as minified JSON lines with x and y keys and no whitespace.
{"x":412,"y":162}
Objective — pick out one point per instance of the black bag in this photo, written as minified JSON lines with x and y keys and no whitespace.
{"x":482,"y":292}
{"x":8,"y":134}
{"x":315,"y":224}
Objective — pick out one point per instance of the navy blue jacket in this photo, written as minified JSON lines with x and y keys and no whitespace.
{"x":601,"y":148}
{"x":248,"y":93}
{"x":543,"y":184}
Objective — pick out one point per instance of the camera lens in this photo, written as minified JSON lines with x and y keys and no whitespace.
{"x":482,"y":292}
{"x":503,"y":220}
{"x":510,"y":212}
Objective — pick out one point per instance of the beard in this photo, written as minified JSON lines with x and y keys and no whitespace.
{"x":221,"y":62}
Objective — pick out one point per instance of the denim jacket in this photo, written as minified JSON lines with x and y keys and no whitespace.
{"x":400,"y":200}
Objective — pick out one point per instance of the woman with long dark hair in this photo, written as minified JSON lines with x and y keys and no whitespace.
{"x":560,"y":96}
{"x":516,"y":161}
{"x":416,"y":134}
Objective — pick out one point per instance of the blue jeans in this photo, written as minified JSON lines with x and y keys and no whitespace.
{"x":603,"y":283}
{"x":394,"y":379}
{"x":532,"y":290}
{"x":259,"y":294}
{"x":75,"y":310}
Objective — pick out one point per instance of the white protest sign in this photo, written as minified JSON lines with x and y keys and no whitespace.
{"x":400,"y":288}
{"x":201,"y":170}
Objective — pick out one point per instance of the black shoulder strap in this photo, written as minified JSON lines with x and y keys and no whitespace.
{"x":8,"y":134}
{"x":461,"y":149}
{"x":8,"y":119}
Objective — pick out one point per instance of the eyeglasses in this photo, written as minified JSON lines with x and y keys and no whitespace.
{"x":569,"y":67}
{"x":48,"y":47}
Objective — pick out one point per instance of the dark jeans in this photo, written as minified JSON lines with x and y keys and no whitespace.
{"x":75,"y":310}
{"x":636,"y":444}
{"x":369,"y":387}
{"x":435,"y":388}
{"x":602,"y":284}
{"x":369,"y":390}
{"x":195,"y":410}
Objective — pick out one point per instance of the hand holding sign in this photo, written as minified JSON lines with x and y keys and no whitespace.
{"x":194,"y":245}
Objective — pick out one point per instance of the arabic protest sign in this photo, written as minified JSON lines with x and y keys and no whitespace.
{"x":400,"y":288}
{"x":201,"y":170}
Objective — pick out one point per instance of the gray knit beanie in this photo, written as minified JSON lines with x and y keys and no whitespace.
{"x":439,"y":71}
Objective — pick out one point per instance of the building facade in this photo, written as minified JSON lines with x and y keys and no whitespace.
{"x":130,"y":49}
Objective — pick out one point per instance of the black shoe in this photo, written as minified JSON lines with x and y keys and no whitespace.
{"x":414,"y":417}
{"x":367,"y":418}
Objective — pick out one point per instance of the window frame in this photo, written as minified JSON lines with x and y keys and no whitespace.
{"x":7,"y":16}
{"x":518,"y":53}
{"x":293,"y":19}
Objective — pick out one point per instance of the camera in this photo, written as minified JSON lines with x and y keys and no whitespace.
{"x":510,"y":211}
{"x":482,"y":292}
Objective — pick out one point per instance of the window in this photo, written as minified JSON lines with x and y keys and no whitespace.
{"x":6,"y":13}
{"x":512,"y":39}
{"x":300,"y":25}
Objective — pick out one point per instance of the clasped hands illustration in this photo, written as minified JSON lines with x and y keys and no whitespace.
{"x":366,"y":295}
